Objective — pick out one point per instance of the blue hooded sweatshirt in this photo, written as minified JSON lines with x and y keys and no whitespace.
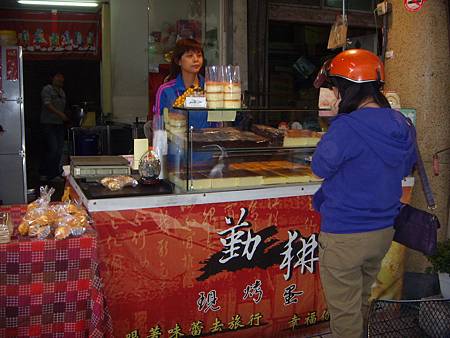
{"x":363,"y":158}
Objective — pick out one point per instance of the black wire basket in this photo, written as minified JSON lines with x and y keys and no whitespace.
{"x":409,"y":318}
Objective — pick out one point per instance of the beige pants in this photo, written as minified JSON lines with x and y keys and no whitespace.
{"x":349,"y":264}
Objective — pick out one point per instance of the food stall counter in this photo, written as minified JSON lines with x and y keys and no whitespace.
{"x":212,"y":262}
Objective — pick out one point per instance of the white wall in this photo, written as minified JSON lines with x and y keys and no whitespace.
{"x":129,"y":59}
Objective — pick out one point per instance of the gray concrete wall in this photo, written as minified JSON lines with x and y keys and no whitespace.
{"x":129,"y":59}
{"x":419,"y":73}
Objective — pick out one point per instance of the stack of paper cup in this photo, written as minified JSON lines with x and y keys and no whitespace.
{"x":232,"y":87}
{"x":214,"y":86}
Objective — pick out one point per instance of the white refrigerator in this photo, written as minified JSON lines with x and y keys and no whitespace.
{"x":13,"y":183}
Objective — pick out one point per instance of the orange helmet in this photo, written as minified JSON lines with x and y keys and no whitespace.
{"x":356,"y":65}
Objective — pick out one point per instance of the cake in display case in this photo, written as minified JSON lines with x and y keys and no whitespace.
{"x":260,"y":148}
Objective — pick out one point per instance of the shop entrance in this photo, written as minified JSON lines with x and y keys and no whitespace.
{"x":82,"y":84}
{"x":295,"y":53}
{"x":287,"y":44}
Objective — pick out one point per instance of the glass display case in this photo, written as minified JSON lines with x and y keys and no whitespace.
{"x":219,"y":150}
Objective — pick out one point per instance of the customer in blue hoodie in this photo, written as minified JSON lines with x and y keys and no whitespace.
{"x":363,"y":158}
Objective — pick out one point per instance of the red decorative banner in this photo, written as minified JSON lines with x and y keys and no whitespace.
{"x":247,"y":269}
{"x":12,"y":64}
{"x":44,"y":35}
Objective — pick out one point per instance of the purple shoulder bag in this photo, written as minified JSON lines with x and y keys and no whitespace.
{"x":415,"y":228}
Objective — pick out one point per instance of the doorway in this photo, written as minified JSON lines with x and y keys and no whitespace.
{"x":82,"y":84}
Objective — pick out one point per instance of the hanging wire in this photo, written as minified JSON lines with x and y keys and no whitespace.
{"x":344,"y":19}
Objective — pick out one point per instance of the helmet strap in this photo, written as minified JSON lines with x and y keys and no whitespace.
{"x":378,"y":76}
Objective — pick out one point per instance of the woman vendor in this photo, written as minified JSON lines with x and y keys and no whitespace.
{"x":186,"y":66}
{"x":187,"y":62}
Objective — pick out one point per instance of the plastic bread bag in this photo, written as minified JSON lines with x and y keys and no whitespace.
{"x":24,"y":228}
{"x":40,"y":232}
{"x":5,"y":227}
{"x":67,"y":220}
{"x":62,"y":232}
{"x":64,"y":226}
{"x":71,"y":225}
{"x":80,"y":214}
{"x":75,"y":208}
{"x":38,"y":214}
{"x":43,"y":200}
{"x":77,"y":231}
{"x":43,"y":232}
{"x":115,"y":183}
{"x":35,"y":219}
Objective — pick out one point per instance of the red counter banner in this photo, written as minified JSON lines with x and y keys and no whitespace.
{"x":44,"y":35}
{"x":247,"y":269}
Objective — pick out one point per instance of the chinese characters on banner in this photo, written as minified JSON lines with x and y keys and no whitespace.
{"x":213,"y":269}
{"x":44,"y":35}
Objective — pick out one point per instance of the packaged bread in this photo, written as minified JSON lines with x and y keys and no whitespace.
{"x":43,"y":232}
{"x":44,"y":199}
{"x":62,"y":232}
{"x":43,"y":219}
{"x":115,"y":183}
{"x":23,"y":228}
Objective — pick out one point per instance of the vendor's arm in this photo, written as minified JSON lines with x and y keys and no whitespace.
{"x":332,"y":151}
{"x":47,"y":101}
{"x":162,"y":101}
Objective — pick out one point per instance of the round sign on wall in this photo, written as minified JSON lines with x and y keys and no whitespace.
{"x":413,"y":5}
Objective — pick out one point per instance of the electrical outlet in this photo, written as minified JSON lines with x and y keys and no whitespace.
{"x":382,"y":8}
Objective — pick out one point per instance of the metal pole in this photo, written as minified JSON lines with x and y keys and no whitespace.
{"x":344,"y":19}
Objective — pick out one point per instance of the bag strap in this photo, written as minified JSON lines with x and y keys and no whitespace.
{"x":422,"y":172}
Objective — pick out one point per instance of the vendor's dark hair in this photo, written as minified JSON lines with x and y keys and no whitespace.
{"x":353,"y":94}
{"x":183,"y":46}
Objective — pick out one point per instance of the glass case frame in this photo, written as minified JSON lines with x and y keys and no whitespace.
{"x":228,"y":161}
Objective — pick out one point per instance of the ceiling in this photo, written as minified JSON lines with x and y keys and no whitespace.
{"x":12,"y":4}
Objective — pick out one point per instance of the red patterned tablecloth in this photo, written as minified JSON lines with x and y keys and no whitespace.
{"x":51,"y":288}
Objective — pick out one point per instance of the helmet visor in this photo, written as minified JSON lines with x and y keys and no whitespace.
{"x":322,"y":79}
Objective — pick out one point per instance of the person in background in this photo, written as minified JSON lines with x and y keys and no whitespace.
{"x":52,"y":119}
{"x":363,"y":158}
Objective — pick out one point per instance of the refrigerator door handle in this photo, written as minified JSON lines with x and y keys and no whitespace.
{"x":22,"y":153}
